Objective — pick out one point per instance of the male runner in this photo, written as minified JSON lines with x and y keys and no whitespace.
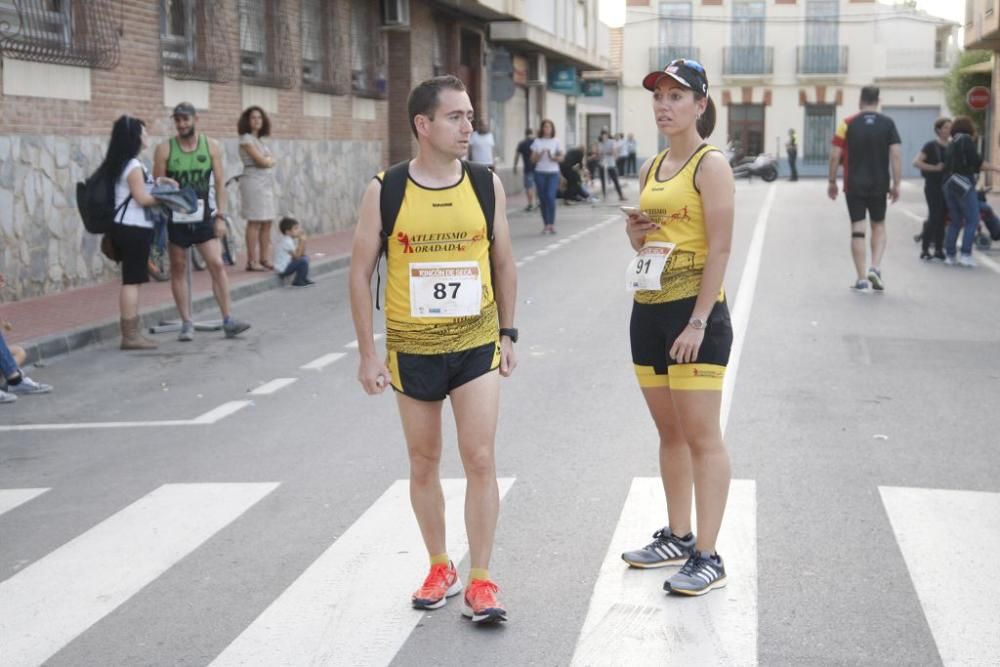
{"x":445,"y":336}
{"x":869,"y":144}
{"x":194,"y":159}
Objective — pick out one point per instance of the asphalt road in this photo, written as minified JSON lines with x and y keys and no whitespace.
{"x":837,"y":397}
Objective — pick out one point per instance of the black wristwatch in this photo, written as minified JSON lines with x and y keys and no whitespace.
{"x":510,"y":333}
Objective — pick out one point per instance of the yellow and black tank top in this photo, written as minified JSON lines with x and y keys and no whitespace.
{"x":675,"y":205}
{"x":437,"y":225}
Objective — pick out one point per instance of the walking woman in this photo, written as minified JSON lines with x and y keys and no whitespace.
{"x":133,"y":229}
{"x":680,"y":328}
{"x":962,"y":166}
{"x":930,"y":162}
{"x":547,"y":153}
{"x":257,"y":186}
{"x":609,"y":160}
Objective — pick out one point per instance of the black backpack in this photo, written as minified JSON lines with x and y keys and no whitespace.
{"x":394,"y":189}
{"x":95,"y":199}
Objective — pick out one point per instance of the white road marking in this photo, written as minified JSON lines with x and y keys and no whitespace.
{"x":911,"y":214}
{"x":632,"y":621}
{"x":11,"y":498}
{"x":324,"y":361}
{"x":272,"y":386}
{"x":210,"y":417}
{"x":353,"y":345}
{"x":744,"y":303}
{"x":46,"y":605}
{"x":987,"y":262}
{"x":960,"y":599}
{"x":350,"y":606}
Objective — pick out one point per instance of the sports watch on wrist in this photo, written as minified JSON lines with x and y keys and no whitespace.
{"x":510,"y":333}
{"x":695,"y":323}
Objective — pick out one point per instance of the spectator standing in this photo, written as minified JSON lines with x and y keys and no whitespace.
{"x":630,"y":154}
{"x":621,"y":156}
{"x":524,"y":154}
{"x":593,"y":163}
{"x":609,"y":155}
{"x":481,"y":145}
{"x":962,"y":166}
{"x":930,"y":162}
{"x":547,"y":153}
{"x":133,"y":229}
{"x":257,"y":186}
{"x":792,"y":148}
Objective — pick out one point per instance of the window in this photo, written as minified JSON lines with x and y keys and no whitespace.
{"x":439,"y":55}
{"x":265,"y":44}
{"x":675,"y":25}
{"x":368,"y":77}
{"x":321,"y":46}
{"x":746,"y":128}
{"x":186,"y":52}
{"x":747,"y":53}
{"x":65,"y":32}
{"x":820,"y":126}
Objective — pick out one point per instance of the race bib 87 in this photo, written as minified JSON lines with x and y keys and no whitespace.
{"x":445,"y":289}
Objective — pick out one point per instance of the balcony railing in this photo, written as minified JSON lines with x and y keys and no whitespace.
{"x":821,"y":59}
{"x":659,"y":56}
{"x":747,"y":60}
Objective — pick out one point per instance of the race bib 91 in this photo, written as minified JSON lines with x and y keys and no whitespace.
{"x":643,"y":272}
{"x":445,"y":289}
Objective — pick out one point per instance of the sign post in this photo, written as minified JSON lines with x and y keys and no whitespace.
{"x":978,"y":98}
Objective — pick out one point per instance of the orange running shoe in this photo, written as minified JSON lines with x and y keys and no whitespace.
{"x":440,"y":584}
{"x":481,"y":604}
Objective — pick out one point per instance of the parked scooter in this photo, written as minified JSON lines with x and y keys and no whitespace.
{"x":764,"y":166}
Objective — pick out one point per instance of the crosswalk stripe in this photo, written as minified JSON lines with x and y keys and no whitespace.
{"x":944,"y":536}
{"x":11,"y":498}
{"x":46,"y":605}
{"x":272,"y":386}
{"x":350,"y":606}
{"x":322,"y":362}
{"x":631,"y":621}
{"x":353,"y":345}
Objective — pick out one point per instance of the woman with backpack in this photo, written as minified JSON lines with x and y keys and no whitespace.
{"x":132,"y":232}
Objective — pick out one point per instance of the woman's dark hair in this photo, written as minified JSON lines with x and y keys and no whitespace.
{"x":243,"y":125}
{"x":424,"y":98}
{"x":940,"y":122}
{"x":126,"y":143}
{"x":963,"y":125}
{"x":541,"y":127}
{"x":706,"y":122}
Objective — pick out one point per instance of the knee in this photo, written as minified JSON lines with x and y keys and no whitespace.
{"x":706,"y":444}
{"x":423,"y":467}
{"x":479,"y":463}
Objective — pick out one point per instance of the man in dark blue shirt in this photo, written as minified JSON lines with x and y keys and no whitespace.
{"x":524,"y":154}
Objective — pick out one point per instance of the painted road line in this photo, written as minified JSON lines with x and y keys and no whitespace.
{"x":272,"y":386}
{"x":987,"y":262}
{"x":744,"y":303}
{"x":210,"y":417}
{"x":353,"y":345}
{"x":322,"y":362}
{"x":961,"y":601}
{"x":11,"y":498}
{"x":46,"y":605}
{"x":350,"y":606}
{"x":217,"y":414}
{"x":631,"y":621}
{"x":913,"y":215}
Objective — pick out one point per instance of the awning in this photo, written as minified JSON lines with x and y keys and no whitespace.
{"x":985,"y":67}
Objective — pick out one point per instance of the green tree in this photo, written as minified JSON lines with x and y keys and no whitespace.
{"x":958,"y":83}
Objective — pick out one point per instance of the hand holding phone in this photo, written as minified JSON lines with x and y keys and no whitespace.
{"x":630,"y":210}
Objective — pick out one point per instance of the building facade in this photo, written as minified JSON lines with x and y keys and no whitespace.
{"x":776,"y":65}
{"x":333,"y":75}
{"x":982,"y":31}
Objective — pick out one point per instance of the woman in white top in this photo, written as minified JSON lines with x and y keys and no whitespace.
{"x":609,"y":160}
{"x":546,"y":154}
{"x":257,"y":186}
{"x":133,"y":229}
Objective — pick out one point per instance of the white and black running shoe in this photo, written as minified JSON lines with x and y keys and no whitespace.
{"x":665,"y":549}
{"x":700,"y":574}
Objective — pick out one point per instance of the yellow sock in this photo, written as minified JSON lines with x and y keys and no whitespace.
{"x":440,"y":559}
{"x":479,"y":573}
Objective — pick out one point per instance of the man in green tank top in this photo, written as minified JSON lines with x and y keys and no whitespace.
{"x":194,"y":159}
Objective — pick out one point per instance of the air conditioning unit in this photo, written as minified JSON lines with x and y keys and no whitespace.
{"x":396,"y":14}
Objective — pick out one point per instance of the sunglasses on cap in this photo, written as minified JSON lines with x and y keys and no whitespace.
{"x":686,"y":62}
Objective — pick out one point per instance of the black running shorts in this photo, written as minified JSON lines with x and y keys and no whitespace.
{"x":431,"y":377}
{"x":858,"y":205}
{"x":187,"y":234}
{"x":654,"y":328}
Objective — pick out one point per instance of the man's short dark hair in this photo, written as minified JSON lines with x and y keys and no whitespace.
{"x":287,"y":224}
{"x":424,"y":98}
{"x":940,"y":122}
{"x":869,"y":95}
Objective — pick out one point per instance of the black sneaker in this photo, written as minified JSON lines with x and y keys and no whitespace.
{"x":665,"y":549}
{"x":304,"y":283}
{"x":700,"y":574}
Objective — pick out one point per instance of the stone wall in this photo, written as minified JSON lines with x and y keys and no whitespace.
{"x":45,"y":249}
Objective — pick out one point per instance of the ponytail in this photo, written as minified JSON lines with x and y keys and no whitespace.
{"x":706,"y":122}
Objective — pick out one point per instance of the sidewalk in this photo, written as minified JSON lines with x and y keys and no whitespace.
{"x":58,"y":323}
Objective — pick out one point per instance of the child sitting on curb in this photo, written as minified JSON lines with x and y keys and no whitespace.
{"x":290,"y":254}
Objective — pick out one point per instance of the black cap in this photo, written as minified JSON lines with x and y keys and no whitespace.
{"x":184,"y":109}
{"x":689,"y":73}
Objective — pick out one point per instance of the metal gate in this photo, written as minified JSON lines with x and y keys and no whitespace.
{"x":916,"y":127}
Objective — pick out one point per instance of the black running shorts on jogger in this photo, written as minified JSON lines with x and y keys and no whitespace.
{"x":431,"y":377}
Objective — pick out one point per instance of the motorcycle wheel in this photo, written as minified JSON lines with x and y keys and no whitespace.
{"x":769,"y":174}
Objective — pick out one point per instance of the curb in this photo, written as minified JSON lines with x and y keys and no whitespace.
{"x":46,"y":347}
